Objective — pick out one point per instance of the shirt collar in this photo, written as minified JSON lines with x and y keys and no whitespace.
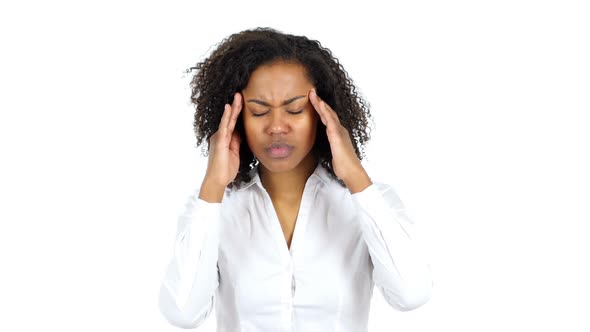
{"x":320,"y":173}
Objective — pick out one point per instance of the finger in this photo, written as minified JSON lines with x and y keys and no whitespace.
{"x":224,"y":118}
{"x":325,"y":109}
{"x":330,"y":114}
{"x":237,"y":99}
{"x":235,"y":112}
{"x":315,"y":102}
{"x":315,"y":99}
{"x":326,"y":112}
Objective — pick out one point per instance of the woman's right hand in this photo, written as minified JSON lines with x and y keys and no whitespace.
{"x":224,"y":147}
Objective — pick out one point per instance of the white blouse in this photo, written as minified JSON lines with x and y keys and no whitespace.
{"x":234,"y":255}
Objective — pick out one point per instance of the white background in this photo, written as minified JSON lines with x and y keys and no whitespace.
{"x":481,"y":112}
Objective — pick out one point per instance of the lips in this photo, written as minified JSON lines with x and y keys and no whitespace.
{"x":279,"y":150}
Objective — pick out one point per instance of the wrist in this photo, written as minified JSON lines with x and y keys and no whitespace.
{"x":211,"y":192}
{"x":357,"y":181}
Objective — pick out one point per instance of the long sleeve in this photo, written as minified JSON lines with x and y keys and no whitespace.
{"x":188,"y":289}
{"x":400,"y":269}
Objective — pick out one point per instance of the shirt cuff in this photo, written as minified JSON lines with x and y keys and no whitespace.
{"x":208,"y":215}
{"x":207,"y":209}
{"x":371,"y":200}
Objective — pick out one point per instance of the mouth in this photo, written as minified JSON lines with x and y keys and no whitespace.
{"x":279,"y":150}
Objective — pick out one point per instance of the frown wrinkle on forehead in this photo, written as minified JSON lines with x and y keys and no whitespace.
{"x":283,"y":103}
{"x":278,"y":84}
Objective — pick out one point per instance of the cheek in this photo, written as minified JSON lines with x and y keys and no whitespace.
{"x":312,"y":123}
{"x":308,"y":129}
{"x":252,"y":133}
{"x":248,"y":127}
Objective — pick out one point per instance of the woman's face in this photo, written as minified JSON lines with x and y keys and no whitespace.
{"x":279,"y":120}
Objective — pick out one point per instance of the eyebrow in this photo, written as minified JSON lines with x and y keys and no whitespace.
{"x":285,"y":102}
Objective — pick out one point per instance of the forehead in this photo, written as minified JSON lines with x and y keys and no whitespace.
{"x":277,"y":82}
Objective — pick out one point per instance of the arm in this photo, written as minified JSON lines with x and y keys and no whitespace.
{"x":401,"y":271}
{"x":187,"y":292}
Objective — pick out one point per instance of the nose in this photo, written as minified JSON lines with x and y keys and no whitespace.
{"x":279,"y":124}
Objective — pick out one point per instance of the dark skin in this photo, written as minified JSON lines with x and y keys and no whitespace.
{"x":278,"y":93}
{"x":288,"y":110}
{"x":294,"y":123}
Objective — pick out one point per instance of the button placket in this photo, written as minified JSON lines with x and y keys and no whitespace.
{"x":293,"y":286}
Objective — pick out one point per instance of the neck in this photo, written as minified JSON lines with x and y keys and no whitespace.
{"x":289,"y":185}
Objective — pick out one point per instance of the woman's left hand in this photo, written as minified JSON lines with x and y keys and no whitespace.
{"x":346,"y":164}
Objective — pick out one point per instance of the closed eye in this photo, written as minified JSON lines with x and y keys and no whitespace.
{"x":290,"y":112}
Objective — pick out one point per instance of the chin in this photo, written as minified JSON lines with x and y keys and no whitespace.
{"x":280,"y":165}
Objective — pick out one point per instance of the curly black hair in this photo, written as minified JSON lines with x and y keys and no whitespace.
{"x":227,"y":71}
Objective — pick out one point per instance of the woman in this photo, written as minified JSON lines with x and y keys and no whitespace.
{"x":287,"y":231}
